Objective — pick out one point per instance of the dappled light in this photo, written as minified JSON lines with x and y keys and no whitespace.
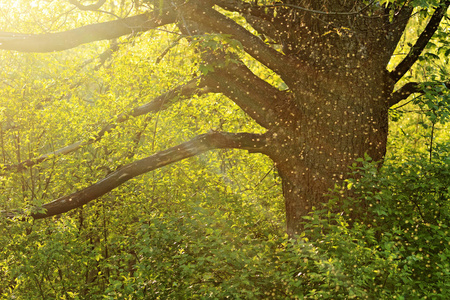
{"x":224,"y":149}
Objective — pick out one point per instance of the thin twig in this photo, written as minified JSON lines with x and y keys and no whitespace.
{"x":319,"y":11}
{"x":431,"y":140}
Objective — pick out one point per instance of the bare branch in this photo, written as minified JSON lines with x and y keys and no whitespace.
{"x":94,"y":6}
{"x":409,"y":89}
{"x":313,"y":11}
{"x":253,"y":95}
{"x":86,"y":34}
{"x":246,"y":8}
{"x":243,"y":6}
{"x":196,"y":146}
{"x":421,"y":42}
{"x":104,"y":56}
{"x":217,"y":22}
{"x":173,"y":44}
{"x":403,"y":93}
{"x":193,"y":87}
{"x":261,"y":19}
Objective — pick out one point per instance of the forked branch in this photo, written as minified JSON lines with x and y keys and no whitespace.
{"x":421,"y":42}
{"x":213,"y":21}
{"x":196,"y":146}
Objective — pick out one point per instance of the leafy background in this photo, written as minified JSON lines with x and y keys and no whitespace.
{"x":209,"y":227}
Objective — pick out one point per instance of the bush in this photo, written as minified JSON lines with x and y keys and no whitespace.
{"x":219,"y":245}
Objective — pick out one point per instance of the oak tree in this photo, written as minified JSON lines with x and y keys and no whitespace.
{"x":333,"y":59}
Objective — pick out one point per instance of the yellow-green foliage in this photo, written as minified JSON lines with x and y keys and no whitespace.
{"x":212,"y":226}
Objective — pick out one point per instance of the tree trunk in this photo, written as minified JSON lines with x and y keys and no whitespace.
{"x":340,"y":111}
{"x":337,"y":128}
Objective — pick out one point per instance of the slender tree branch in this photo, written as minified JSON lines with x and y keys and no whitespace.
{"x":213,"y":140}
{"x":246,"y":9}
{"x":239,"y":6}
{"x":403,"y":93}
{"x":94,"y":6}
{"x":421,"y":42}
{"x":265,"y":27}
{"x":407,"y":90}
{"x":104,"y":56}
{"x":264,"y":21}
{"x":86,"y":34}
{"x":193,"y":87}
{"x":173,"y":44}
{"x":396,"y":26}
{"x":313,"y":11}
{"x":260,"y":18}
{"x":235,"y":5}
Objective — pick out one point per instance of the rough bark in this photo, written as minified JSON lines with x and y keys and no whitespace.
{"x":346,"y":118}
{"x":338,"y":109}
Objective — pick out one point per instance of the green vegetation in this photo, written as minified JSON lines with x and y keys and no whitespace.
{"x":211,"y":224}
{"x":209,"y":242}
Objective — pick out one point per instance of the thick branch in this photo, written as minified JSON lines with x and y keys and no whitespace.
{"x":253,"y":45}
{"x":236,"y":6}
{"x":421,"y":42}
{"x":86,"y":34}
{"x":409,"y":89}
{"x":257,"y":98}
{"x":403,"y":93}
{"x":161,"y":102}
{"x":260,"y":18}
{"x":196,"y":146}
